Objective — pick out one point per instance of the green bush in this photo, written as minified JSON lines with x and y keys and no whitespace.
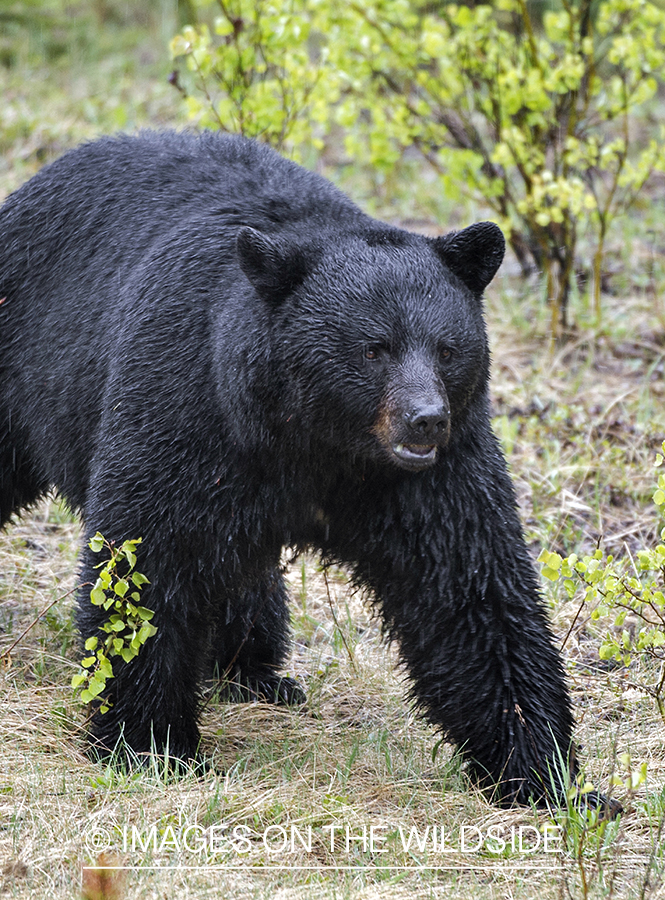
{"x":253,"y":72}
{"x":626,"y":597}
{"x":538,"y":121}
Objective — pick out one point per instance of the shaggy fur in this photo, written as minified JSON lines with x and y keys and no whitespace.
{"x":207,"y":346}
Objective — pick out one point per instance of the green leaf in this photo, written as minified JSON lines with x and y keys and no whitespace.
{"x":145,"y":613}
{"x":569,"y":585}
{"x":97,"y":595}
{"x":105,"y":669}
{"x":121,"y":587}
{"x":95,"y":686}
{"x":147,"y":631}
{"x":96,"y":543}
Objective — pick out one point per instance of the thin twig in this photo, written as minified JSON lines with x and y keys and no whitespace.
{"x":341,"y":633}
{"x":5,"y":653}
{"x":572,"y":625}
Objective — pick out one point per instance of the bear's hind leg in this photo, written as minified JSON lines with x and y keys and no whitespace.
{"x":252,"y":644}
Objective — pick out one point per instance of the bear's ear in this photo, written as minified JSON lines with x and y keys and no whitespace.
{"x":274,"y":267}
{"x":473,"y":254}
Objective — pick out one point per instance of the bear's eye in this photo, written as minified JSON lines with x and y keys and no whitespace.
{"x":445,"y":353}
{"x":375,"y":352}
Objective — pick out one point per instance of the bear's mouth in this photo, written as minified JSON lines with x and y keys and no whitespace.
{"x":416,"y":456}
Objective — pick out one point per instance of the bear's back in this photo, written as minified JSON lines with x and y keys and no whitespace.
{"x":134,"y":189}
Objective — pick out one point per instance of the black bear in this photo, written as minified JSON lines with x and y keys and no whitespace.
{"x":207,"y":346}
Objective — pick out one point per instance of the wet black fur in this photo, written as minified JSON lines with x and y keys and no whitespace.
{"x":208,"y":388}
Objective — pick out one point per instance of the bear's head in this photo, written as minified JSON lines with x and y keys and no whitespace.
{"x":378,"y":334}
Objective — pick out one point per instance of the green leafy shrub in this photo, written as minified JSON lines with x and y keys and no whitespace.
{"x":128,"y":626}
{"x":536,"y":121}
{"x":628,"y":598}
{"x":254,"y":72}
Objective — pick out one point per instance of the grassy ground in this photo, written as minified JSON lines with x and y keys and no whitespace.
{"x":580,"y":425}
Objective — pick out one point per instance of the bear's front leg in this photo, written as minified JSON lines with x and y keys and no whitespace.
{"x":486,"y":673}
{"x":457,"y":591}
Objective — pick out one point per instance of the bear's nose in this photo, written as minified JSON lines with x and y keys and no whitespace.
{"x":428,"y":421}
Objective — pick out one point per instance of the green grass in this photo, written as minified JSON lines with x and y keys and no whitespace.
{"x":73,"y":71}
